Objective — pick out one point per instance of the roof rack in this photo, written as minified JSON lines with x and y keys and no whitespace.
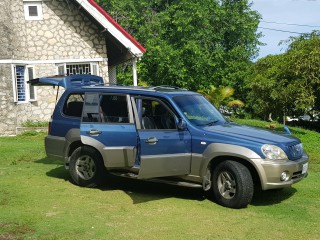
{"x":166,"y":87}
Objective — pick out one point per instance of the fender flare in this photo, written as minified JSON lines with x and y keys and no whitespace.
{"x":218,"y":150}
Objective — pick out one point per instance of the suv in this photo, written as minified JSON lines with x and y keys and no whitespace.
{"x":165,"y":134}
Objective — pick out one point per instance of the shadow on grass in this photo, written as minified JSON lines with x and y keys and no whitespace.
{"x":271,"y":197}
{"x":144,"y":191}
{"x":59,"y":172}
{"x":139,"y":191}
{"x":48,"y":160}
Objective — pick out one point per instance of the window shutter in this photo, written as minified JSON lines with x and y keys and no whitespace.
{"x":94,"y":69}
{"x":32,"y":93}
{"x":61,"y":70}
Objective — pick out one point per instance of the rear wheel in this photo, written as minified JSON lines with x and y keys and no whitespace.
{"x":86,"y":167}
{"x":232,"y":184}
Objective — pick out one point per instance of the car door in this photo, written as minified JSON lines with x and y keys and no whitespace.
{"x":163,"y":150}
{"x":107,"y":124}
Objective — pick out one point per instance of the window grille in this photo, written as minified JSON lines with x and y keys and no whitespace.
{"x":23,"y":91}
{"x":33,"y":11}
{"x":20,"y":84}
{"x":78,"y":69}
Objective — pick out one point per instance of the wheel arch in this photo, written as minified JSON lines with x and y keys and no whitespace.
{"x":76,"y":144}
{"x":218,"y":152}
{"x":253,"y":171}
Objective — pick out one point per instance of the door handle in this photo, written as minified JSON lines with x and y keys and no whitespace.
{"x":94,"y":132}
{"x":152,"y":140}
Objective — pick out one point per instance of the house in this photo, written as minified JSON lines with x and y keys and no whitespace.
{"x":54,"y":37}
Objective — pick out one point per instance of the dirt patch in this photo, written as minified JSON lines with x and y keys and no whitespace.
{"x":14,"y":231}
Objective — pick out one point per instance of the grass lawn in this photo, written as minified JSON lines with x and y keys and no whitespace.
{"x":37,"y":201}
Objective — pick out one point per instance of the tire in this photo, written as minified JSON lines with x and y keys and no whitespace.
{"x":86,"y":167}
{"x":232,"y":184}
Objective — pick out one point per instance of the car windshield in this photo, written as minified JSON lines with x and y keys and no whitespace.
{"x":199,"y":110}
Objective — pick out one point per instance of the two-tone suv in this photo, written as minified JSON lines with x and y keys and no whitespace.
{"x":166,"y":134}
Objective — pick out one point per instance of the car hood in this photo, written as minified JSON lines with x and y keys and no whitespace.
{"x":246,"y":133}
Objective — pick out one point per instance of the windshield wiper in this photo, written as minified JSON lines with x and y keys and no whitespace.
{"x":209,"y":123}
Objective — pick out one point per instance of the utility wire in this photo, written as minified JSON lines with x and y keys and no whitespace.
{"x":291,"y":24}
{"x":278,"y":30}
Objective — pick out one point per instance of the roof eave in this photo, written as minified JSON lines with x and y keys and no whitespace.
{"x":113,"y":27}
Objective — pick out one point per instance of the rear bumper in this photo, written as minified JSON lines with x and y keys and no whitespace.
{"x":272,"y":170}
{"x":55,"y":146}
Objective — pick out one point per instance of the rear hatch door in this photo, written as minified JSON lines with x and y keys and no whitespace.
{"x":72,"y":81}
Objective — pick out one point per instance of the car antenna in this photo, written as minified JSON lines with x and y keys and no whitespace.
{"x":286,"y":130}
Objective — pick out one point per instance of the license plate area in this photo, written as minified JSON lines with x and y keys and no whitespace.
{"x":304,"y":168}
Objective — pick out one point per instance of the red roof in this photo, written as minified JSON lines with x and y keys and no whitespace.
{"x":117,"y":25}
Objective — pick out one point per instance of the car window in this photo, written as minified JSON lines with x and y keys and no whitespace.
{"x":114,"y":109}
{"x":199,"y":110}
{"x":105,"y":108}
{"x":73,"y":105}
{"x":154,"y":114}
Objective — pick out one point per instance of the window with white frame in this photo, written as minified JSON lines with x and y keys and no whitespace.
{"x":23,"y":92}
{"x":33,"y":9}
{"x":78,"y":68}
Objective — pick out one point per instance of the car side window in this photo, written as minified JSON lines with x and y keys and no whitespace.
{"x":73,"y":105}
{"x":105,"y":108}
{"x":154,"y":114}
{"x":114,"y":108}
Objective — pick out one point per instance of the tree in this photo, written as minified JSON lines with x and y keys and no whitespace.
{"x":289,"y":83}
{"x":304,"y":67}
{"x":191,"y":44}
{"x":221,"y":97}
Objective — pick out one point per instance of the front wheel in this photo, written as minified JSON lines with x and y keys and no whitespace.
{"x":86,"y":167}
{"x":232,"y":184}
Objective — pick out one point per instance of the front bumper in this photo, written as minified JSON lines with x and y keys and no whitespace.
{"x":271,"y":172}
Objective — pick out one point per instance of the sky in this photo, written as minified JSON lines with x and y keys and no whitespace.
{"x":290,"y":12}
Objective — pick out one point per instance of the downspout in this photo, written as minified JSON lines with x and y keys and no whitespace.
{"x":134,"y":69}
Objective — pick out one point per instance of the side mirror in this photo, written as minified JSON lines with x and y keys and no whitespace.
{"x":182,"y":125}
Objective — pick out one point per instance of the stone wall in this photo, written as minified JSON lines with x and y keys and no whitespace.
{"x":6,"y":32}
{"x":65,"y":33}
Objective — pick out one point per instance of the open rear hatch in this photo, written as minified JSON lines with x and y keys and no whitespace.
{"x":72,"y":81}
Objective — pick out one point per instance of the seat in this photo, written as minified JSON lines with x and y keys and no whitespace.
{"x":164,"y":118}
{"x":74,"y":109}
{"x":147,"y":121}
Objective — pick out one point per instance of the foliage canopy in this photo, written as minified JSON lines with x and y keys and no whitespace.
{"x":289,"y":83}
{"x":191,"y":44}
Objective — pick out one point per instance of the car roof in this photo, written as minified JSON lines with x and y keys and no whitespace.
{"x":92,"y":83}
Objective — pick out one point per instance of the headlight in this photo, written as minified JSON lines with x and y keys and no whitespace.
{"x":273,"y":152}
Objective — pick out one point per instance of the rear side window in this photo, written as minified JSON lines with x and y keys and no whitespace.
{"x":106,"y":108}
{"x":73,"y":105}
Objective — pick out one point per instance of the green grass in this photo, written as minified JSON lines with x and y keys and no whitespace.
{"x":34,"y":124}
{"x":37,"y":201}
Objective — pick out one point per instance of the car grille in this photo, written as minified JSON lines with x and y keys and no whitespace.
{"x":295,"y":151}
{"x":297,"y":175}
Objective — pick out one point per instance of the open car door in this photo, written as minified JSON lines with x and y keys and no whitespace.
{"x":107,"y":124}
{"x":164,"y":149}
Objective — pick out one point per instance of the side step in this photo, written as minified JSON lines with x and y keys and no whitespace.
{"x":159,"y":180}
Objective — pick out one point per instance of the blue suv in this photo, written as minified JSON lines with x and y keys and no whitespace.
{"x":165,"y":134}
